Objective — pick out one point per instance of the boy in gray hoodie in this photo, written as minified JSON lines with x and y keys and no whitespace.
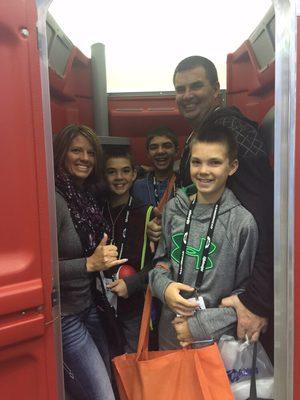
{"x":207,"y":247}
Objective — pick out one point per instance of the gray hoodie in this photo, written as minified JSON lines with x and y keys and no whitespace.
{"x":228,"y":267}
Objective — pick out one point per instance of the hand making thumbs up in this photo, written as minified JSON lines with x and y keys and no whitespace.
{"x":104,"y":257}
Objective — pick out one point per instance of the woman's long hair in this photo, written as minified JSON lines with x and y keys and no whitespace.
{"x":61,"y":145}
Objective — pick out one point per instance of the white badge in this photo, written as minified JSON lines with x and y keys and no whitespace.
{"x":201,"y":303}
{"x":111,"y":297}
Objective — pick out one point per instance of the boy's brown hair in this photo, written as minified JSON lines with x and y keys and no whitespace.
{"x":217,"y":134}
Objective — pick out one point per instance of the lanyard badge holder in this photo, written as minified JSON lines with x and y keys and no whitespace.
{"x":199,"y":299}
{"x":112,"y":297}
{"x":171,"y":184}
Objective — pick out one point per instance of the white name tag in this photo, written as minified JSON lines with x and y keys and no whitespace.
{"x":111,"y":297}
{"x":201,"y":303}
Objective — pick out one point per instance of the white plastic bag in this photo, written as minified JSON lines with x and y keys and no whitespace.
{"x":237,"y":357}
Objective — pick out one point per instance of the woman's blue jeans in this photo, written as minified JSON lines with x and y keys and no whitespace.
{"x":86,"y":356}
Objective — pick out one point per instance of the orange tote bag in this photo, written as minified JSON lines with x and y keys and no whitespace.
{"x":185,"y":374}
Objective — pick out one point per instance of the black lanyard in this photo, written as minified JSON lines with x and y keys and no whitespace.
{"x":155,"y":186}
{"x":124,"y":227}
{"x":209,"y":235}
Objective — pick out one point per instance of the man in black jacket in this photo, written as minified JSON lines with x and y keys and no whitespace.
{"x":198,"y":100}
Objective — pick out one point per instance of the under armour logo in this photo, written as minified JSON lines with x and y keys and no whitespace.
{"x":192,"y":251}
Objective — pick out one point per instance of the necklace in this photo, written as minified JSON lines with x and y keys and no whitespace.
{"x":113,"y":222}
{"x":124,"y":225}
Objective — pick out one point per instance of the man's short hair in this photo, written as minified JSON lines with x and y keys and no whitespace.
{"x":217,"y":134}
{"x":162,"y":131}
{"x":198,"y":61}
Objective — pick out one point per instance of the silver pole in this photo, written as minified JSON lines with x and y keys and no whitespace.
{"x":284,"y":233}
{"x":99,"y":89}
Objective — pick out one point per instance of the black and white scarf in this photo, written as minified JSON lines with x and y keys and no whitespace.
{"x":85,"y":212}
